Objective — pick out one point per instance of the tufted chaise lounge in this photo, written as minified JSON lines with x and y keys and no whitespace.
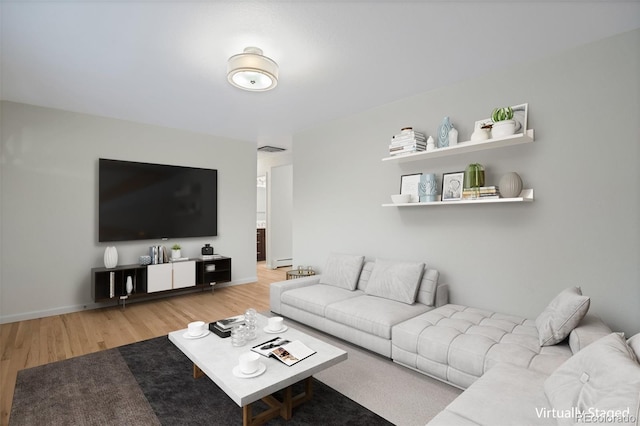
{"x":458,"y":344}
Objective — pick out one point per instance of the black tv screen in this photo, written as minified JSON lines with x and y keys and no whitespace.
{"x":142,"y":201}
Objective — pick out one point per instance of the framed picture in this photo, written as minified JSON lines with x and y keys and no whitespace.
{"x":520,"y":113}
{"x":409,"y":185}
{"x":452,"y":186}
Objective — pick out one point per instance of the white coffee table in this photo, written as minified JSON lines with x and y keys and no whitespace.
{"x":216,"y":357}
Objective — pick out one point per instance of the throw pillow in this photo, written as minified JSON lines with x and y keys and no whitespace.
{"x":342,"y":270}
{"x":602,"y":380}
{"x":395,"y":280}
{"x":427,"y":289}
{"x":634,"y":344}
{"x":561,"y":316}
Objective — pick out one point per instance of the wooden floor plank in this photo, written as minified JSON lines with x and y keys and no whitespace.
{"x":30,"y":343}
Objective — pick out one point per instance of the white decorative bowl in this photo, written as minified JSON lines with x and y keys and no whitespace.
{"x":401,"y":198}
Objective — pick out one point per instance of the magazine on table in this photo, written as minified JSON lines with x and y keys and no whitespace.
{"x":287,"y":351}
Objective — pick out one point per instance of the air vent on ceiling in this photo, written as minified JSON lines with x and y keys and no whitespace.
{"x":268,"y":148}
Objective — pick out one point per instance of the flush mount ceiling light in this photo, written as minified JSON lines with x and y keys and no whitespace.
{"x":252,"y":71}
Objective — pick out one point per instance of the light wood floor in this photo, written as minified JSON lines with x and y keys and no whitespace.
{"x":36,"y":342}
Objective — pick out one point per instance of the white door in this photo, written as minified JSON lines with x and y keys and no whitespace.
{"x":184,"y":274}
{"x":159,"y":277}
{"x":279,"y":216}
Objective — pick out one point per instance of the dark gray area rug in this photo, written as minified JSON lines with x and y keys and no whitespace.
{"x":150,"y":383}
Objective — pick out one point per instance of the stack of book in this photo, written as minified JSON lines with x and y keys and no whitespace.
{"x":483,"y":192}
{"x":407,"y":141}
{"x":223,"y":327}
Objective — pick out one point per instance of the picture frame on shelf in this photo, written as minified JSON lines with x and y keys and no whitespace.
{"x":520,"y":113}
{"x":452,"y":184}
{"x":409,"y":184}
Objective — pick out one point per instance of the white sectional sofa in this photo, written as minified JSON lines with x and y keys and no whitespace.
{"x":556,"y":369}
{"x":360,"y":301}
{"x":599,"y":384}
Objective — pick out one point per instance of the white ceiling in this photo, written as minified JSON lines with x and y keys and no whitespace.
{"x":164,"y":62}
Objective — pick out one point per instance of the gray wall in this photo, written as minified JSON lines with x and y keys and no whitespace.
{"x":582,"y":229}
{"x":48,"y":202}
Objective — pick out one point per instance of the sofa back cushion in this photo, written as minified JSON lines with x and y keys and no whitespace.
{"x":365,"y":274}
{"x":634,"y":344}
{"x":342,"y":270}
{"x":427,"y":288}
{"x":395,"y":280}
{"x":561,"y":316}
{"x":604,"y":376}
{"x":590,"y":329}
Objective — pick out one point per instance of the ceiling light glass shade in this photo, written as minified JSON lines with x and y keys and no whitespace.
{"x":252,"y":71}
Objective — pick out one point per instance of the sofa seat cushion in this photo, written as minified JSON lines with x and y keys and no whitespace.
{"x":315,"y":298}
{"x":472,"y":341}
{"x":371,"y":314}
{"x":506,"y":395}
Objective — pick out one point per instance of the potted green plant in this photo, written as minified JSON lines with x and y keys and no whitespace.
{"x":503,"y":122}
{"x":175,"y":251}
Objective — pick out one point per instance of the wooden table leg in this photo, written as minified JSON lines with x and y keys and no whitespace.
{"x":197,"y":373}
{"x":277,"y":408}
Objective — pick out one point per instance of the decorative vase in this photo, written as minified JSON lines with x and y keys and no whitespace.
{"x":453,"y":136}
{"x":479,"y":133}
{"x":443,"y":133}
{"x":431,"y":145}
{"x":510,"y":185}
{"x":110,"y":257}
{"x":427,"y":188}
{"x":474,"y":176}
{"x":129,"y":284}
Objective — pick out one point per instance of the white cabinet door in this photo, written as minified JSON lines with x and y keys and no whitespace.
{"x":159,"y":277}
{"x":184,"y":274}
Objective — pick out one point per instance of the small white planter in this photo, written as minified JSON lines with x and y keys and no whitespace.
{"x":175,"y":254}
{"x":503,"y":128}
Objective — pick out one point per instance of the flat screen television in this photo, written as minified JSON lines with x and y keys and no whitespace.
{"x":143,"y":201}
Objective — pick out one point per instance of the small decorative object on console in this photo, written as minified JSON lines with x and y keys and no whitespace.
{"x":207,"y":250}
{"x":110,"y":257}
{"x":176,"y":251}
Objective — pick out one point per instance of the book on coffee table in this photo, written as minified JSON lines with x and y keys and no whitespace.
{"x":228,"y":323}
{"x":286,"y":351}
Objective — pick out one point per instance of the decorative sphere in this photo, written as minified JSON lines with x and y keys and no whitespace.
{"x":510,"y":185}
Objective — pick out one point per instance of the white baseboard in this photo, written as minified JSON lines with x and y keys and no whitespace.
{"x":5,"y":319}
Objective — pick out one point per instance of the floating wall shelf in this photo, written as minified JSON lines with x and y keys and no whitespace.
{"x":464,"y":147}
{"x":525,"y":196}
